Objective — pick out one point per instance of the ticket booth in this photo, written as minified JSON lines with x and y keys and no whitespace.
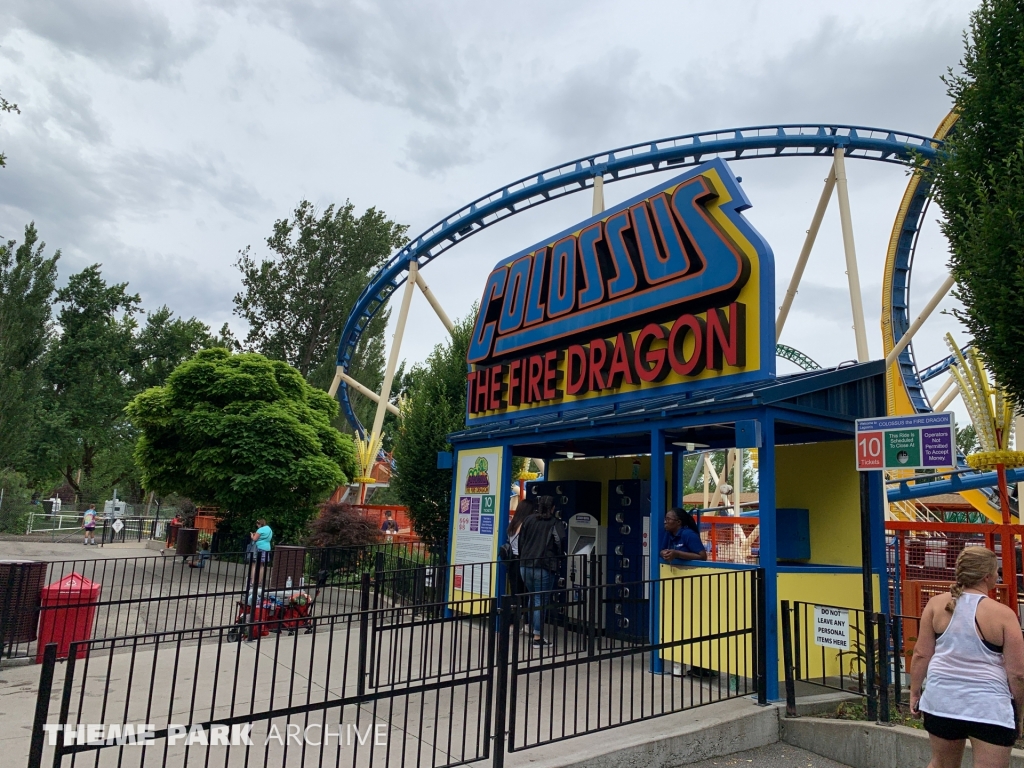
{"x":608,"y":348}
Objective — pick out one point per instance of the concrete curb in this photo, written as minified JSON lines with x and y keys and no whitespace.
{"x":867,"y":745}
{"x":664,"y":742}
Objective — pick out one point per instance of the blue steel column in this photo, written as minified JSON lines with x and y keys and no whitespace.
{"x":656,"y":526}
{"x":878,"y":559}
{"x":769,"y":557}
{"x":677,"y":478}
{"x":504,"y":504}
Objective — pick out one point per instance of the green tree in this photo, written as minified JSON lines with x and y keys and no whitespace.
{"x":435,"y":407}
{"x":27,"y":280}
{"x":6,"y":106}
{"x":246,"y":434}
{"x":967,"y":440}
{"x":98,"y":361}
{"x":88,"y":373}
{"x":979,"y":182}
{"x":297,"y":302}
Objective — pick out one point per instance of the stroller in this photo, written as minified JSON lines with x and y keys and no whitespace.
{"x":271,"y":615}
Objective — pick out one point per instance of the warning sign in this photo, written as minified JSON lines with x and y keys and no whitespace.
{"x":832,"y":627}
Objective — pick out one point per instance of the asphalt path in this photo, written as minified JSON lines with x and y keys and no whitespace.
{"x":775,"y":756}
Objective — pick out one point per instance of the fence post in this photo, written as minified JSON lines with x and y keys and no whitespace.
{"x":252,"y":597}
{"x":7,"y":607}
{"x":787,"y":660}
{"x":896,"y":633}
{"x":35,"y":750}
{"x":364,"y":631}
{"x":870,"y":665}
{"x":500,"y":668}
{"x":593,"y":599}
{"x":762,"y":638}
{"x":883,"y":668}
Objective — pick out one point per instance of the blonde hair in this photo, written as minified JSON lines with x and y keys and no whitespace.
{"x":260,"y":522}
{"x":973,"y":566}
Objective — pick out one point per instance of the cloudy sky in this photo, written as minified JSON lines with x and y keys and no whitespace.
{"x":160,"y":138}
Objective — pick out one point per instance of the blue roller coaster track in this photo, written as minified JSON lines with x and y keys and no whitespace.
{"x":616,"y":165}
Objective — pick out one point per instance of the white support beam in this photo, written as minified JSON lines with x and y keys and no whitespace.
{"x":598,"y":206}
{"x":805,"y":252}
{"x":432,"y":300}
{"x":340,"y":376}
{"x":396,"y":346}
{"x":852,"y":273}
{"x":737,"y":488}
{"x":916,"y":325}
{"x":948,"y":399}
{"x":942,"y":390}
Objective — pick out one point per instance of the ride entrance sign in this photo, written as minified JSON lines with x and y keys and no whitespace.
{"x":925,"y":441}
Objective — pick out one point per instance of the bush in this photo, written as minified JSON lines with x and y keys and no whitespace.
{"x":16,"y":504}
{"x":342,"y":525}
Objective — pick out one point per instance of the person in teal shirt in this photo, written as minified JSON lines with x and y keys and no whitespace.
{"x":261,"y":538}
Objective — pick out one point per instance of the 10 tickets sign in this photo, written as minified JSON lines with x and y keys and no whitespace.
{"x":672,"y":289}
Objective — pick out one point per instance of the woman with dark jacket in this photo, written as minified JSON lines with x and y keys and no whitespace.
{"x":541,"y":551}
{"x":524,"y":511}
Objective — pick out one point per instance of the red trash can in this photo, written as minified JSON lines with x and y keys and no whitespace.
{"x":66,"y":614}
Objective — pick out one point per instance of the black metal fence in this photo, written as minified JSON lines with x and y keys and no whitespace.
{"x":709,"y":647}
{"x":300,"y":699}
{"x":842,"y":649}
{"x":448,"y":678}
{"x":128,"y":597}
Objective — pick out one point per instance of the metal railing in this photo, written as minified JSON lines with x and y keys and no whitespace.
{"x":710,"y":644}
{"x":445,"y":681}
{"x":832,"y":647}
{"x":145,"y":595}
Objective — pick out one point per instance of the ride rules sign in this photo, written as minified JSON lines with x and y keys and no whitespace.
{"x":927,"y":441}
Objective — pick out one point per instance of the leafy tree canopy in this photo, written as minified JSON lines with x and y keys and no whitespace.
{"x":979,"y":182}
{"x":6,"y":106}
{"x":246,"y":434}
{"x":435,"y":407}
{"x":100,"y":358}
{"x":297,"y":302}
{"x":27,"y":280}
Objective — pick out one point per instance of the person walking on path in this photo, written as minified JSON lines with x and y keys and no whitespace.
{"x":969,"y":658}
{"x":541,"y":551}
{"x":89,"y":525}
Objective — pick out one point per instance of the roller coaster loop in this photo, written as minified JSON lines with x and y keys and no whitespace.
{"x":616,"y":165}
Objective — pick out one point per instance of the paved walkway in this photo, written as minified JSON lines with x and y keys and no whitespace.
{"x":776,"y":756}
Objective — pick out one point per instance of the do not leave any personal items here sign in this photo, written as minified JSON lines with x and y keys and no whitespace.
{"x":927,"y":441}
{"x":832,"y":627}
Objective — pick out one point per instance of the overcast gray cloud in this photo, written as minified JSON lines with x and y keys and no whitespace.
{"x":132,"y":37}
{"x":160,"y":138}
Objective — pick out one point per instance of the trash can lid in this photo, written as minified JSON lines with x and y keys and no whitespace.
{"x":72,"y":583}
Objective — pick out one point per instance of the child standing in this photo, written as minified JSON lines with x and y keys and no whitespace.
{"x":89,"y":525}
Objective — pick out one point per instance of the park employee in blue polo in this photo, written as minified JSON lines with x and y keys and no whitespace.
{"x":682,"y":537}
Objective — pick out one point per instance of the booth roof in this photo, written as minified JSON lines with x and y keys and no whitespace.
{"x":823,"y":403}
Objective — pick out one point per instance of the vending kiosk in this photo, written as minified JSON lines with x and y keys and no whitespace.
{"x":629,"y":546}
{"x":578,"y":505}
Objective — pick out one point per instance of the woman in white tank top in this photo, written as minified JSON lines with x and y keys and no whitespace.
{"x":969,"y":658}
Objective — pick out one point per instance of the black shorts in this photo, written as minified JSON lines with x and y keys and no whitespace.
{"x":951,"y":729}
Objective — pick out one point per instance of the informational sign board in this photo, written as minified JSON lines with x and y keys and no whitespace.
{"x":117,"y":526}
{"x":476,"y":519}
{"x":832,"y":627}
{"x":926,"y":441}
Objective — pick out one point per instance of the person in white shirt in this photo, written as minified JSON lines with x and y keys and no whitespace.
{"x":969,"y":659}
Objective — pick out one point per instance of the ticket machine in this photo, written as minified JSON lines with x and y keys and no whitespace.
{"x":578,"y":505}
{"x":629,"y":549}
